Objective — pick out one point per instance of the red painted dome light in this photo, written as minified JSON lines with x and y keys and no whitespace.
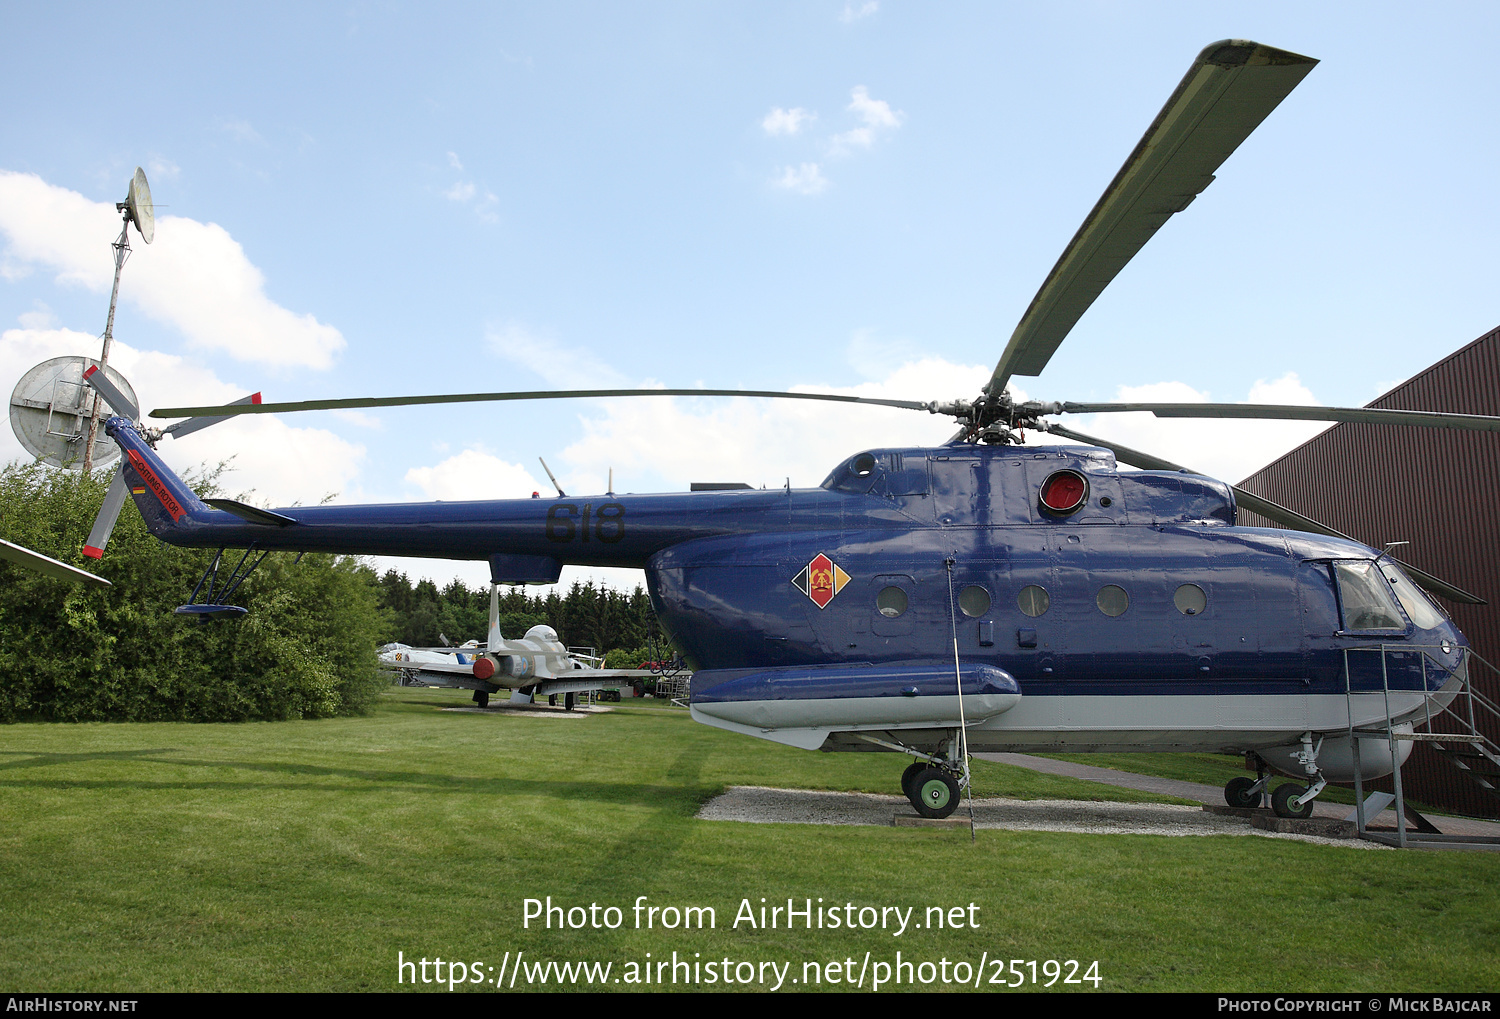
{"x":1064,"y":492}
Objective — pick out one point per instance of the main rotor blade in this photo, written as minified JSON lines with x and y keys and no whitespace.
{"x":23,"y":556}
{"x":1365,"y":415}
{"x":1229,"y":90}
{"x":361,"y":403}
{"x":1268,"y":509}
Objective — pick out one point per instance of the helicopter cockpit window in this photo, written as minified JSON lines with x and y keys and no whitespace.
{"x":859,"y":473}
{"x":1419,"y":608}
{"x":1365,"y":598}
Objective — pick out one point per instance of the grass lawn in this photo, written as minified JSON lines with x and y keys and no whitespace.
{"x":307,"y":855}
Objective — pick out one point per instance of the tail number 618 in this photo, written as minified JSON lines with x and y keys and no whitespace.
{"x":566,"y":523}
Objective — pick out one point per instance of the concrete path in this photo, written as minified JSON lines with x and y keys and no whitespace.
{"x":1213,"y":795}
{"x":759,"y":805}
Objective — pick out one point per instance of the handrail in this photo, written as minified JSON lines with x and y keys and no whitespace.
{"x":1465,"y":694}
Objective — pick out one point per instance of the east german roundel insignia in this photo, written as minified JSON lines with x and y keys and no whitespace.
{"x":820,"y":580}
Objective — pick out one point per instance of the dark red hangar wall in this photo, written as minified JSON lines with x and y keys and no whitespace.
{"x":1437,"y":488}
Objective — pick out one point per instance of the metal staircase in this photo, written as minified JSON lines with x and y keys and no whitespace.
{"x":1452,"y":732}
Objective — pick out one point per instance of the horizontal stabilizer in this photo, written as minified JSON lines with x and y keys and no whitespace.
{"x":253,"y":514}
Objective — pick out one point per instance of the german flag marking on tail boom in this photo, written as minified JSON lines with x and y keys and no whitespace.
{"x":158,"y":489}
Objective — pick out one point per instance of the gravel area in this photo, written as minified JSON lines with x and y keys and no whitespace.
{"x":760,"y":805}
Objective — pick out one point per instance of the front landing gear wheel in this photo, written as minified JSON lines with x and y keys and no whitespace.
{"x":1238,"y":793}
{"x":1281,"y":801}
{"x":908,"y":776}
{"x":934,"y":792}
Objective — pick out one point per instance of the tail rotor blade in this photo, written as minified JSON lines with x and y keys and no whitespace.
{"x":192,"y":425}
{"x":122,"y":404}
{"x":104,"y":523}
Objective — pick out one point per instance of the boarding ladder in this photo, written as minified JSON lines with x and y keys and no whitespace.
{"x":1453,"y":732}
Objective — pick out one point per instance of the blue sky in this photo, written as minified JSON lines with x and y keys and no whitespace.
{"x":379,"y":198}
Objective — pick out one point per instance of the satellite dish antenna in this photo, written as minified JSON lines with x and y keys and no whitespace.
{"x":50,"y":411}
{"x":137,"y":206}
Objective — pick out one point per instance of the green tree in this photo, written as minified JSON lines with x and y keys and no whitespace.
{"x":72,"y":653}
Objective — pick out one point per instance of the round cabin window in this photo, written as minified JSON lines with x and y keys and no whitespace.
{"x":1033,"y":600}
{"x":974,"y":600}
{"x":1190,"y":599}
{"x":1112,"y":600}
{"x":891,"y":602}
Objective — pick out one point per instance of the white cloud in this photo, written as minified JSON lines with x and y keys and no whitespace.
{"x":466,"y":191}
{"x":875,"y":115}
{"x":875,"y":357}
{"x":41,"y":318}
{"x":194,"y":276}
{"x":561,"y":366}
{"x":359,"y":419}
{"x":760,"y":441}
{"x":779,"y":121}
{"x":851,"y":14}
{"x":163,"y":169}
{"x":473,"y":474}
{"x":806,"y":179}
{"x":277,"y":462}
{"x":241,"y":131}
{"x":1228,"y":449}
{"x":764,"y":442}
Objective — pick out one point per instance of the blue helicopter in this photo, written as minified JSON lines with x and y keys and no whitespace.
{"x":983,"y":595}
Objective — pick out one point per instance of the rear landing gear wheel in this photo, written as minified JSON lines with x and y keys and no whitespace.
{"x":568,"y":701}
{"x":481,"y":698}
{"x":908,"y":775}
{"x":1238,"y":793}
{"x":1281,"y":801}
{"x":934,"y":792}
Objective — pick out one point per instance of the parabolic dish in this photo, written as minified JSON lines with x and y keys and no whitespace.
{"x":138,"y":202}
{"x":49,"y":412}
